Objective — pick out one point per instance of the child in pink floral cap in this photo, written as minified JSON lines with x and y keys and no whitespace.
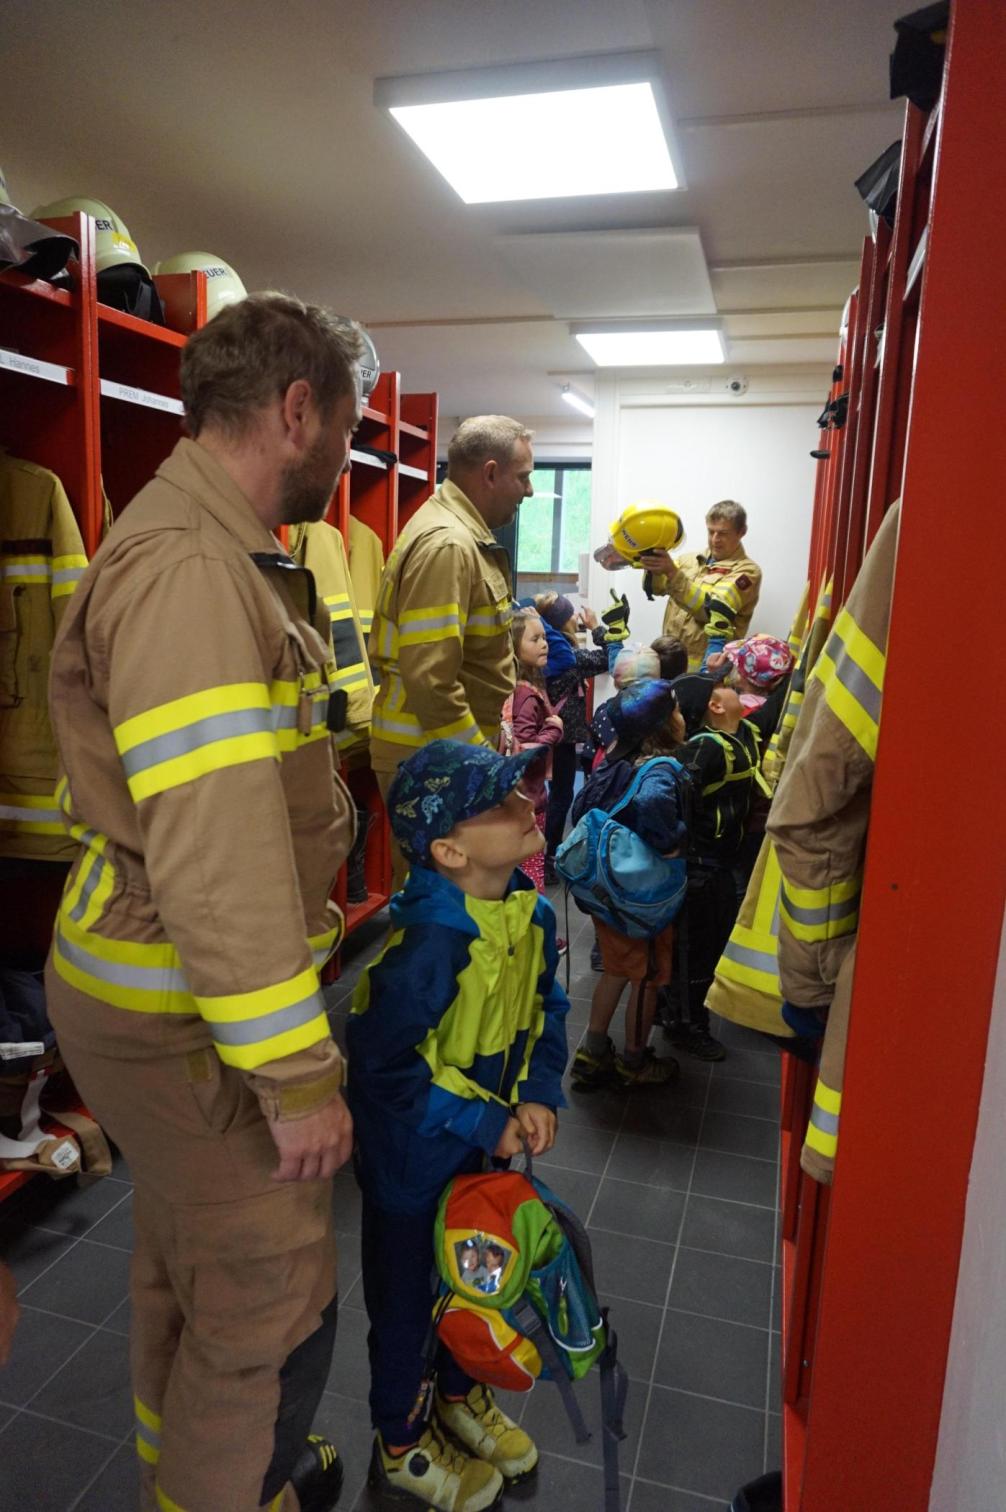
{"x":760,"y":663}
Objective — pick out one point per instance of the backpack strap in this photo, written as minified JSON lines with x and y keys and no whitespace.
{"x":532,"y":1326}
{"x":636,"y":782}
{"x":614,"y":1391}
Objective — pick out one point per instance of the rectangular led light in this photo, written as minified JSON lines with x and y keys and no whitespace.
{"x":657,"y":346}
{"x":577,"y":401}
{"x":540,"y":131}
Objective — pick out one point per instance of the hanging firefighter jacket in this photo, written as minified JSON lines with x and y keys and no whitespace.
{"x":441,"y":641}
{"x":746,"y":986}
{"x":41,"y":561}
{"x":366,"y":563}
{"x":320,"y":548}
{"x":819,"y":823}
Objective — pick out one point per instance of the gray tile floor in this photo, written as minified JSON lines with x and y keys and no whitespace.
{"x":678,"y":1191}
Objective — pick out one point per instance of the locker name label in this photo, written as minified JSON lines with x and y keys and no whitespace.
{"x":132,"y":395}
{"x":34,"y":368}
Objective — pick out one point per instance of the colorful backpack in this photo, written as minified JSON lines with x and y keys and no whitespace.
{"x":517,"y":1301}
{"x":615,"y":876}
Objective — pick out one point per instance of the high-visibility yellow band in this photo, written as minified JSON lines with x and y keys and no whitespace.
{"x":239,"y":1006}
{"x":229,"y":698}
{"x":827,"y":1098}
{"x":146,"y":1415}
{"x":851,"y":672}
{"x":32,"y":813}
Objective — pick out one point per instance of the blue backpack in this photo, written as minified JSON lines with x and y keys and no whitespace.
{"x":618,"y":878}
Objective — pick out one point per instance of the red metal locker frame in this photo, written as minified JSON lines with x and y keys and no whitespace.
{"x":932,"y":905}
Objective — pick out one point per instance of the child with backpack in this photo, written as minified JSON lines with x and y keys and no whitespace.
{"x":639,"y":767}
{"x":457,"y":1047}
{"x":723,"y":756}
{"x":529,"y":720}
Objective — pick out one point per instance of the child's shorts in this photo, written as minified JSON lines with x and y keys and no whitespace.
{"x":622,"y":957}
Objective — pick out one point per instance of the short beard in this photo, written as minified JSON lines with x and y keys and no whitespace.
{"x":304,"y":498}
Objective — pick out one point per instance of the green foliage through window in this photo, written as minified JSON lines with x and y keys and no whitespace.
{"x":561,"y":498}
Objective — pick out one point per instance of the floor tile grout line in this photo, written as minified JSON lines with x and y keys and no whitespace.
{"x":761,"y":1207}
{"x":667,"y":1296}
{"x":596,"y":1228}
{"x":98,"y":1474}
{"x":47,"y":1417}
{"x":94,"y":1329}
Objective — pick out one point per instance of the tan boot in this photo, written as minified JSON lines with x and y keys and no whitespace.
{"x":435,"y":1474}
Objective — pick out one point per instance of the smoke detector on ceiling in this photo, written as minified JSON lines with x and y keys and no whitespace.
{"x":736,"y":384}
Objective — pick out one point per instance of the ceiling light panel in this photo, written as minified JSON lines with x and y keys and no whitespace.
{"x":584,"y":126}
{"x":666,"y":347}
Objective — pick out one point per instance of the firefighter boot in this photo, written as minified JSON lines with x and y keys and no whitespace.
{"x":317,"y":1475}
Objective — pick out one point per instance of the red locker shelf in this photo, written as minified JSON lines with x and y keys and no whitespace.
{"x":37,"y":287}
{"x":146,"y":329}
{"x":417,"y":431}
{"x":359,"y":913}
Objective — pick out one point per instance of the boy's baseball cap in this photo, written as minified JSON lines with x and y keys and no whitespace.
{"x":694,"y":690}
{"x":639,"y":710}
{"x":445,"y":783}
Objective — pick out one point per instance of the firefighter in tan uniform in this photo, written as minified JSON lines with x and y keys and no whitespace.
{"x":711,"y":594}
{"x":190,"y":700}
{"x":440,"y":643}
{"x":818,"y":826}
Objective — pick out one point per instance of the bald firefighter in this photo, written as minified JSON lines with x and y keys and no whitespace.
{"x":190,"y":701}
{"x":711,"y":594}
{"x":440,"y":643}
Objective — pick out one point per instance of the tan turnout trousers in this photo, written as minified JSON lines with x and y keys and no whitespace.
{"x":231,"y":1270}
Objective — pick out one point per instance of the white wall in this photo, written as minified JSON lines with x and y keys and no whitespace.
{"x":970,"y":1471}
{"x":556,"y":439}
{"x":688,"y":451}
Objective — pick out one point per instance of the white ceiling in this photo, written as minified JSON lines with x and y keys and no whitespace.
{"x":247,"y":128}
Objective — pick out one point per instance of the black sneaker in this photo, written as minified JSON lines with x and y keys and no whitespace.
{"x":596,"y":964}
{"x":696,"y":1042}
{"x":317,"y":1475}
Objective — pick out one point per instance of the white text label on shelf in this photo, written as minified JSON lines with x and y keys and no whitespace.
{"x":33,"y":367}
{"x":133,"y":395}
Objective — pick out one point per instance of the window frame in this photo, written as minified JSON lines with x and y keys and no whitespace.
{"x":560,"y":468}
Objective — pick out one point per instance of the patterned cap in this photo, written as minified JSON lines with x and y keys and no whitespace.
{"x":445,"y":783}
{"x":762,"y":659}
{"x":639,"y":710}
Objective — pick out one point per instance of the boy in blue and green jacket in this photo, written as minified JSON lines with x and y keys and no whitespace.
{"x":457,"y":1046}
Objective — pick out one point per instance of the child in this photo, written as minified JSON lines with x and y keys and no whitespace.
{"x":673,"y":656}
{"x":646,"y":723}
{"x":759,"y":664}
{"x":723,"y":754}
{"x":568,"y":667}
{"x":457,"y":1047}
{"x":532,"y":722}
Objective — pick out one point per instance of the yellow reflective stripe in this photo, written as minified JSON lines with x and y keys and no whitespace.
{"x":405,"y":729}
{"x":148,"y":1432}
{"x":366,"y":619}
{"x":822,"y":1130}
{"x":851,"y":672}
{"x":110,"y":971}
{"x":751,"y":957}
{"x":32,"y":813}
{"x":25,"y":570}
{"x":164,"y":1502}
{"x":432,"y":623}
{"x":166,"y":718}
{"x":821,"y":913}
{"x":337,"y":605}
{"x":251,"y":1027}
{"x":67,"y":572}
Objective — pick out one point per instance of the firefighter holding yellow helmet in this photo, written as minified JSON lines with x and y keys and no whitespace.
{"x":712,"y":593}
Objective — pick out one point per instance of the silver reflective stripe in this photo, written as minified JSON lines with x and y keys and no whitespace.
{"x":758,"y":960}
{"x":202,"y":732}
{"x":852,"y":677}
{"x":146,"y":978}
{"x":94,"y":877}
{"x":252,"y":1031}
{"x":284,"y":716}
{"x":36,"y":571}
{"x":829,"y":914}
{"x":68,"y":575}
{"x":30,"y":815}
{"x":148,"y":1435}
{"x":381,"y":723}
{"x":435,"y":622}
{"x":826,"y":1122}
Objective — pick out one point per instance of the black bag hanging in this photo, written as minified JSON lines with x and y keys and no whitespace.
{"x":32,"y":248}
{"x":919,"y":54}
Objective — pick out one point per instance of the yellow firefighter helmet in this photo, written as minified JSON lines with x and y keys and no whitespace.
{"x":646,"y":526}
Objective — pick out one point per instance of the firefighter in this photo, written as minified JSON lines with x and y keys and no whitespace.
{"x":818,"y":826}
{"x":441,"y":643}
{"x":712,"y":594}
{"x":190,"y":702}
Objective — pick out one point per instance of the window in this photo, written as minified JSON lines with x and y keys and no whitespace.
{"x":553,"y":528}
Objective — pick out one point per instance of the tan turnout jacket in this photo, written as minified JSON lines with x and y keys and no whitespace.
{"x":441,"y":638}
{"x":733,"y":583}
{"x":189,"y":698}
{"x":818,"y":826}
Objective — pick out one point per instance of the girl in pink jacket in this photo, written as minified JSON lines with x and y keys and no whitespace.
{"x":530,"y":720}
